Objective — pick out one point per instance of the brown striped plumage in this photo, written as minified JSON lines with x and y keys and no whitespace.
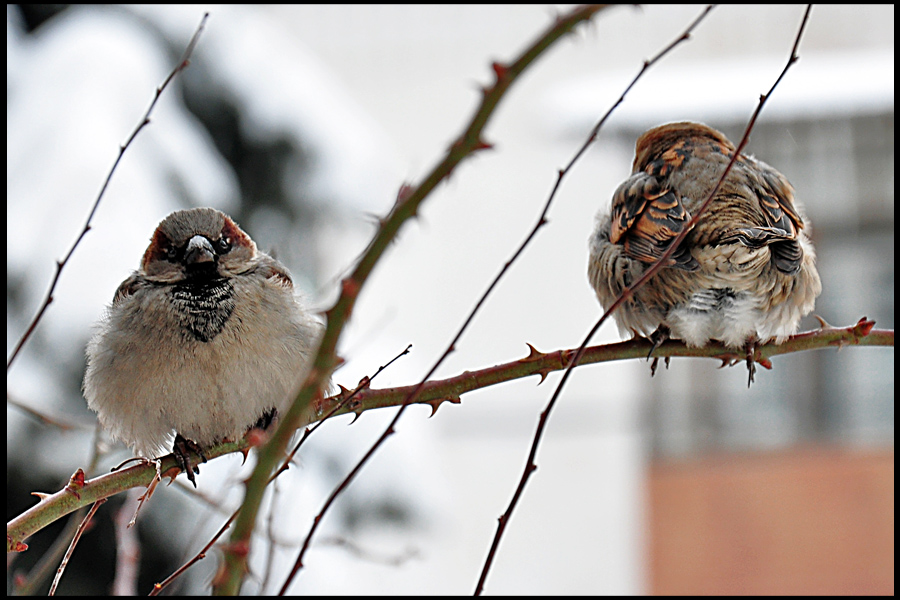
{"x":745,"y":273}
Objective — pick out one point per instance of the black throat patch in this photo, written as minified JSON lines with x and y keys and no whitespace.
{"x":204,"y":306}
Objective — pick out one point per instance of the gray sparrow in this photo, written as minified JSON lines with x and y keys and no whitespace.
{"x":745,"y":274}
{"x":204,"y":342}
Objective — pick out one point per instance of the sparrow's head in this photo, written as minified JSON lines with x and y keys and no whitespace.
{"x":668,"y":138}
{"x":197,"y":243}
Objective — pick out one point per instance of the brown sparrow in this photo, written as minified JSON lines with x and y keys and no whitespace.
{"x":744,"y":275}
{"x":206,"y":340}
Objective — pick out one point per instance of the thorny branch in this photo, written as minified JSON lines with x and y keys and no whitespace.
{"x":469,"y":142}
{"x":530,"y":465}
{"x":55,"y":506}
{"x":145,"y":120}
{"x":437,"y":392}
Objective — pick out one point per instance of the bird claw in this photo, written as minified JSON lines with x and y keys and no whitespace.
{"x":182,"y":448}
{"x":751,"y":365}
{"x":657,"y":338}
{"x":655,"y":363}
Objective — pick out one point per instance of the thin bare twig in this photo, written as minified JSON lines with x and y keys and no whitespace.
{"x":395,"y":560}
{"x":159,"y":587}
{"x":647,"y":64}
{"x":145,"y":120}
{"x":78,"y":534}
{"x":346,"y":397}
{"x":62,"y":423}
{"x":530,"y":465}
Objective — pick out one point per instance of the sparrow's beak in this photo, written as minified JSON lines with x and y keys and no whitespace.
{"x":199,"y":251}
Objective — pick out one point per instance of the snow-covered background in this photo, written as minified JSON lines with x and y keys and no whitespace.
{"x":302,"y":122}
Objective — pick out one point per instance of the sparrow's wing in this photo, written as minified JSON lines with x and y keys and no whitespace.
{"x":777,"y":199}
{"x":782,"y":222}
{"x":646,"y":217}
{"x":274,"y":272}
{"x":129,"y":287}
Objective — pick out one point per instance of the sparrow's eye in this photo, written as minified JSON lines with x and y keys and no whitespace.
{"x":171,"y":253}
{"x":223,"y":245}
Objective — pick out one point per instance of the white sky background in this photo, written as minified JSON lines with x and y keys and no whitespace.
{"x":383,"y":91}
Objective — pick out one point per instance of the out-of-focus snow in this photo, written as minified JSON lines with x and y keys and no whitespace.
{"x":77,"y":91}
{"x":820,"y":85}
{"x":78,"y":87}
{"x":282,"y":89}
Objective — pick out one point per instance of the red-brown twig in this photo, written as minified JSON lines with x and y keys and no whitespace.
{"x":145,"y":120}
{"x":530,"y":465}
{"x":78,"y":534}
{"x":346,"y":397}
{"x":541,"y":364}
{"x":159,"y":587}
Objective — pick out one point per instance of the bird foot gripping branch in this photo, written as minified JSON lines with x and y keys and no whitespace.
{"x":207,"y":340}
